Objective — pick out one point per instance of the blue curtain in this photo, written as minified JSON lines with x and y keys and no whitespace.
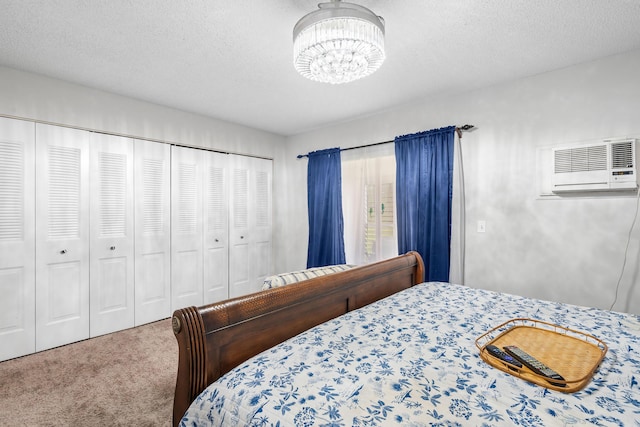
{"x":424,"y":177}
{"x":326,"y":223}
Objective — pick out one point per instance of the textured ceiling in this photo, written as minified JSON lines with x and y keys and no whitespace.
{"x":232,"y":59}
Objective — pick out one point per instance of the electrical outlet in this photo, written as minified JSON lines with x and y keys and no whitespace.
{"x":482,"y":226}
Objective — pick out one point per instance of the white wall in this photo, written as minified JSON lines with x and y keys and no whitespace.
{"x":568,"y":250}
{"x":36,"y":97}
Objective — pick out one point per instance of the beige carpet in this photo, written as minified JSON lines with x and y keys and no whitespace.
{"x":124,"y":378}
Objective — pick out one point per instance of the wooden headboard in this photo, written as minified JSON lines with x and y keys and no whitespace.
{"x":215,"y":338}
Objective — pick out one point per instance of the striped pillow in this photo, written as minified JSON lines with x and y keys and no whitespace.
{"x":298,"y":276}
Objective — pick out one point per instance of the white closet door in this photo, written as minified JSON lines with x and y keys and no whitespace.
{"x":261,"y":220}
{"x":111,"y":250}
{"x":239,"y":260}
{"x":17,"y":244}
{"x":152,"y":231}
{"x":250,"y":224}
{"x":216,"y":228}
{"x":62,"y":236}
{"x":186,"y":227}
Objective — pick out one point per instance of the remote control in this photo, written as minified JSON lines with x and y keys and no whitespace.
{"x":496,"y":352}
{"x":534,"y":364}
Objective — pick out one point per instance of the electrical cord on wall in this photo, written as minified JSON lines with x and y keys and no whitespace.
{"x":626,"y":249}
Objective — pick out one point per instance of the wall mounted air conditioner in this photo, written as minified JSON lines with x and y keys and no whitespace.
{"x":606,"y":166}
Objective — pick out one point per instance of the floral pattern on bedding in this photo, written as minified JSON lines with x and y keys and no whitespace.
{"x":411,"y":359}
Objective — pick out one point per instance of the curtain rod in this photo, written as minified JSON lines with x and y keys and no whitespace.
{"x":459,"y":130}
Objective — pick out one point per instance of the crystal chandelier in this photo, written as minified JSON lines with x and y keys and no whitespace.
{"x":338,"y":43}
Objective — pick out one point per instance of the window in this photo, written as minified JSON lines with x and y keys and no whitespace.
{"x":368,"y":204}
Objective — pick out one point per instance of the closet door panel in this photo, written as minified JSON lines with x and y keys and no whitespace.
{"x":216,"y":228}
{"x":66,"y":296}
{"x":186,"y":278}
{"x":186,"y":227}
{"x":216,"y":266}
{"x":239,"y":229}
{"x":262,"y":268}
{"x":239,"y":270}
{"x":152,"y":269}
{"x":17,"y":244}
{"x":261,"y":220}
{"x":250,"y":224}
{"x":111,"y":249}
{"x":152,"y":231}
{"x":62,"y":236}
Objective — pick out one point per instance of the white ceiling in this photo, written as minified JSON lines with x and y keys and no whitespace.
{"x":232,"y":59}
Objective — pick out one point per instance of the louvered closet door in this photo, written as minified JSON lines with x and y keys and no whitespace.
{"x":260,"y":220}
{"x":186,"y":227}
{"x":62,"y":236}
{"x":111,"y":250}
{"x":239,"y":259}
{"x":17,"y":244}
{"x":250,"y":224}
{"x":152,"y":231}
{"x":216,"y":227}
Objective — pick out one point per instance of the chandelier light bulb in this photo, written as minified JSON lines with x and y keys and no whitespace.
{"x":338,"y":43}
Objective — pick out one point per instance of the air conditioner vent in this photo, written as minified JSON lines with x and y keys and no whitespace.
{"x":622,"y":155}
{"x":581,"y":159}
{"x":595,"y":167}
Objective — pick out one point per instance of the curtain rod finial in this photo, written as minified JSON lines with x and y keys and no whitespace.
{"x":464,"y":128}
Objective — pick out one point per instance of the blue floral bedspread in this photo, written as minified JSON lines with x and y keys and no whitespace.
{"x":411,"y":359}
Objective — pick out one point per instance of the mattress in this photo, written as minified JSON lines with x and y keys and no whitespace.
{"x":411,"y":359}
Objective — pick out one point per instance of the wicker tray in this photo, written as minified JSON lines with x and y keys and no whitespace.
{"x":572,"y":354}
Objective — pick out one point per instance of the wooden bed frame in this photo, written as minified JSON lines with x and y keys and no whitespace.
{"x":215,"y":338}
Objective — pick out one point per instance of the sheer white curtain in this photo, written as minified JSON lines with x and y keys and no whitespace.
{"x":456,"y":257}
{"x":368,"y":183}
{"x":368,"y":204}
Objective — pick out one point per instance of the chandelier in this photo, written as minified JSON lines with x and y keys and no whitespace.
{"x":338,"y":43}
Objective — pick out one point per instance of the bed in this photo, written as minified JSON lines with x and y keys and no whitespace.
{"x":374,"y":346}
